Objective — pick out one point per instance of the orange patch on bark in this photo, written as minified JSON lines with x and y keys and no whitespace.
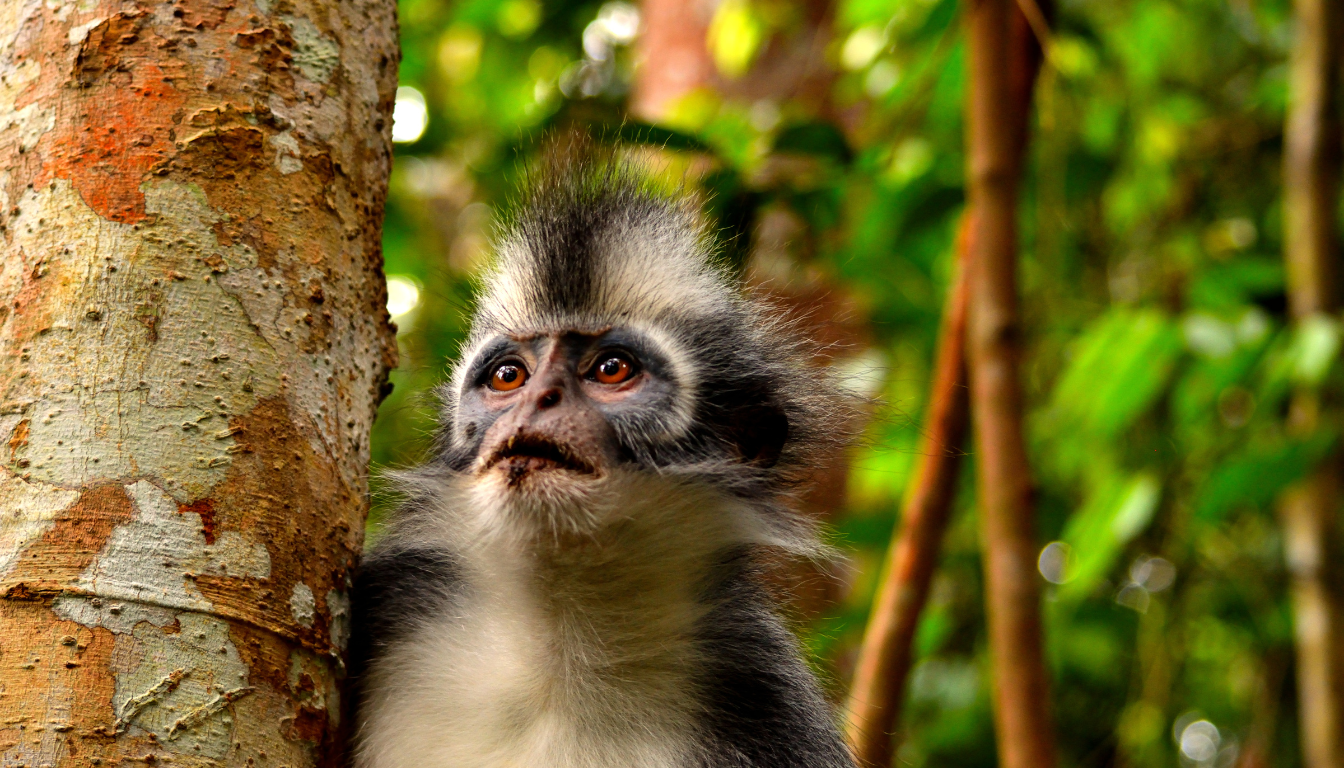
{"x":205,"y":508}
{"x":278,"y":490}
{"x":58,"y":686}
{"x":73,"y":541}
{"x":124,"y":125}
{"x":202,"y":15}
{"x":18,"y":439}
{"x":309,"y":725}
{"x":269,"y":661}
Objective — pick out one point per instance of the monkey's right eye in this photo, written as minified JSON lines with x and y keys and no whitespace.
{"x":508,"y":376}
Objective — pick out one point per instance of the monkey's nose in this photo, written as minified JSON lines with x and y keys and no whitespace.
{"x":549,"y":398}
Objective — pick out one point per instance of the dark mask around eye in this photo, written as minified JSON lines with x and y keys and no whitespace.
{"x":759,"y":433}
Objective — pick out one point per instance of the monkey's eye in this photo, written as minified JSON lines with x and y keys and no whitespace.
{"x":613,"y":369}
{"x":508,"y":376}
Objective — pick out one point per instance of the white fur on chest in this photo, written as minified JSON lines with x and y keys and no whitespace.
{"x":488,"y":692}
{"x":576,"y":656}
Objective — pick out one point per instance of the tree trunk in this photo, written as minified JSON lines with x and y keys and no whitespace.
{"x":878,"y":691}
{"x":1309,"y":509}
{"x":673,"y":57}
{"x":194,"y":339}
{"x":1003,"y":56}
{"x":675,"y":60}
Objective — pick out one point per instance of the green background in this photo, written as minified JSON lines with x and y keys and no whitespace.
{"x":1159,"y":361}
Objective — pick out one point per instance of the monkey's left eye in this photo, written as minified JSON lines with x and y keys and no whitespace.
{"x":613,"y":370}
{"x":508,"y":376}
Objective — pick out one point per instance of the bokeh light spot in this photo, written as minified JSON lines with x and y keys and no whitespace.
{"x":403,"y":295}
{"x":410,"y":115}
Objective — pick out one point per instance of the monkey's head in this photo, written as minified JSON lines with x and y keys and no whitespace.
{"x":609,"y":346}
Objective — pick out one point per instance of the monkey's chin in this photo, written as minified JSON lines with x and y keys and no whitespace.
{"x":536,"y":498}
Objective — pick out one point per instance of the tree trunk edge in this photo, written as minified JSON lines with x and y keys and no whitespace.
{"x":1307,"y":510}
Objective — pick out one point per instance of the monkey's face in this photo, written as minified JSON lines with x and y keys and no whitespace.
{"x":546,"y":412}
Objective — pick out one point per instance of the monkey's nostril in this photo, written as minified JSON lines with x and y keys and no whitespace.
{"x":549,"y":398}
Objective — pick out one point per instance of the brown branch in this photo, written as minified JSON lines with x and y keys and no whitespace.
{"x":1310,"y":539}
{"x":1003,"y":64}
{"x":1040,"y":26}
{"x":884,"y":659}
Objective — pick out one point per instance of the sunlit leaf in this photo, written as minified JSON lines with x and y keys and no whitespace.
{"x":1315,"y":348}
{"x":735,"y":35}
{"x":1115,"y":512}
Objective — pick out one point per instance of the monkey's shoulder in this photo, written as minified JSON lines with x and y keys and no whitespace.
{"x":397,"y":587}
{"x":763,"y":705}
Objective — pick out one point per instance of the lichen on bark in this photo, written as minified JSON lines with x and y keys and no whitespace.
{"x":193,"y":341}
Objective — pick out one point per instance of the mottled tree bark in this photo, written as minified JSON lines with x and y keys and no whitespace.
{"x":1309,"y":510}
{"x":192,"y":343}
{"x":1003,"y":61}
{"x":878,"y":691}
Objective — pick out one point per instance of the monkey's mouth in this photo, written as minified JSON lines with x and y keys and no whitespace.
{"x":521,"y":455}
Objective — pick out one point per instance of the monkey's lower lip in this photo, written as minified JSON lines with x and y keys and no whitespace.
{"x":523,"y":455}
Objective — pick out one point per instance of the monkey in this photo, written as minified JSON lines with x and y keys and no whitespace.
{"x":575,"y":578}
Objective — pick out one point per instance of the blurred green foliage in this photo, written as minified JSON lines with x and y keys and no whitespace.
{"x":1159,"y":357}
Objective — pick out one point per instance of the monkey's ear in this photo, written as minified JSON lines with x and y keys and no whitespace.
{"x":759,"y":432}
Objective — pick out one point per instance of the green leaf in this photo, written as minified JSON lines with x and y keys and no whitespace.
{"x":1116,"y":512}
{"x":1119,"y":368}
{"x":818,"y":138}
{"x":1255,"y":478}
